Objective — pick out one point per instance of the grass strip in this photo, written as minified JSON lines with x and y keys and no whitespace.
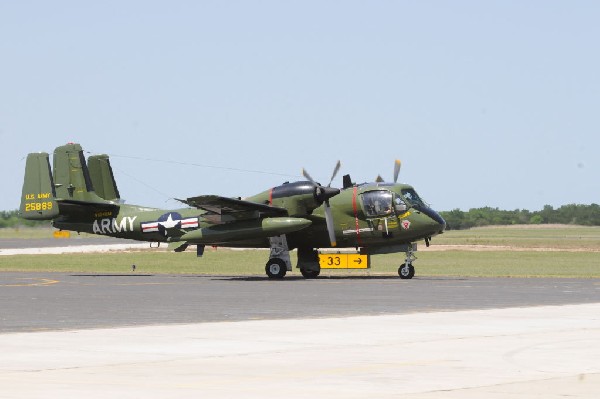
{"x":252,"y":262}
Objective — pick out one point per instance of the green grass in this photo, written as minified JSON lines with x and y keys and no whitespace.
{"x":251,"y":262}
{"x":221,"y":261}
{"x":578,"y":255}
{"x":26,"y":232}
{"x":563,"y":237}
{"x":29,"y":233}
{"x":502,"y":264}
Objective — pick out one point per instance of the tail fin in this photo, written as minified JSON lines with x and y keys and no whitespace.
{"x":38,"y":196}
{"x":71,"y":175}
{"x":103,"y":179}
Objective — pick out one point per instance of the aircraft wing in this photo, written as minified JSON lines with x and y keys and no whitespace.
{"x":233,"y":207}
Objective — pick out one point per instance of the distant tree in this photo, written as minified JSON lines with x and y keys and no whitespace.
{"x":455,"y":219}
{"x":536,"y":219}
{"x":547,"y":214}
{"x":588,"y":215}
{"x":12,"y":219}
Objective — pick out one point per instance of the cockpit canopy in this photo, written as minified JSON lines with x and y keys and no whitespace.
{"x":413,"y":198}
{"x":382,"y":203}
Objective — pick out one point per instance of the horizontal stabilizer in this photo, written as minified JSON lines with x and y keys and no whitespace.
{"x":83,"y":211}
{"x":89,"y":204}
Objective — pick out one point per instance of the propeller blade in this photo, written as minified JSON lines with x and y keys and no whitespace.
{"x":397,"y":165}
{"x":307,"y":176}
{"x":338,"y":165}
{"x":330,"y":226}
{"x":323,"y":194}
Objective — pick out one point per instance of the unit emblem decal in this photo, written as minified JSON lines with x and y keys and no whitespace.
{"x":406,"y":224}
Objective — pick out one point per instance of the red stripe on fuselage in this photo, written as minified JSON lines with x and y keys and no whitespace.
{"x":355,"y":208}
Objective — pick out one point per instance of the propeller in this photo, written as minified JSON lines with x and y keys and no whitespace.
{"x":323,"y":194}
{"x":397,"y":165}
{"x":338,"y":165}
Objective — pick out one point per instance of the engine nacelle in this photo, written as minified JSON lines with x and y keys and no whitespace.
{"x":299,"y":198}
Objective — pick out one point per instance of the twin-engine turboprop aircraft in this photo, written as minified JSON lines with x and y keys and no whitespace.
{"x":370,"y":218}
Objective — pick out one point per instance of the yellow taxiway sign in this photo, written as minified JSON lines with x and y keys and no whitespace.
{"x":344,"y":261}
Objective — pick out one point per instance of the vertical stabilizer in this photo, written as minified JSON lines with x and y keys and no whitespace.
{"x":71,"y":175}
{"x":38,"y":196}
{"x":103,"y":179}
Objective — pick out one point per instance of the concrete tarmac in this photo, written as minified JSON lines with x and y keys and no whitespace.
{"x":549,"y":352}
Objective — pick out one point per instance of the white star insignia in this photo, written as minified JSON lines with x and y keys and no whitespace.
{"x":169,"y":223}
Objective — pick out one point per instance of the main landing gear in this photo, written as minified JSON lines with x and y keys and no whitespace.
{"x":276,"y":268}
{"x":407,"y":270}
{"x":279,"y":262}
{"x":308,"y":262}
{"x":279,"y":258}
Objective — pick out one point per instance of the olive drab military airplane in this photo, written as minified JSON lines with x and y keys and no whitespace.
{"x":373,"y":218}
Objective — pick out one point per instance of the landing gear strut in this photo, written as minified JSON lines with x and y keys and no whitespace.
{"x":407,"y":270}
{"x":279,"y":258}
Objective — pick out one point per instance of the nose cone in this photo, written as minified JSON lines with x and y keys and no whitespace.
{"x":440,"y":223}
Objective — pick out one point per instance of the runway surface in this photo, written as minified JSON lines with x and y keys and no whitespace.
{"x":50,"y":301}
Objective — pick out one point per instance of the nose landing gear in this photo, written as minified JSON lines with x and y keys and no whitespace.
{"x":407,"y":270}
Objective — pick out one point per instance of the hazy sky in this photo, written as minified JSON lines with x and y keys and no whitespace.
{"x":487,"y":103}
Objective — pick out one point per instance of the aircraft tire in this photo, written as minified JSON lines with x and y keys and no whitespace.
{"x":276,"y":268}
{"x":406,"y":273}
{"x":310,"y":273}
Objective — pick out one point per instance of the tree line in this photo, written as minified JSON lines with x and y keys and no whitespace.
{"x":12,"y":219}
{"x":586,"y":215}
{"x":576,"y":214}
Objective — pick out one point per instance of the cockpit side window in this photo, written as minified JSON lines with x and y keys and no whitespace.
{"x":412,"y":197}
{"x":377,"y":203}
{"x":399,"y":205}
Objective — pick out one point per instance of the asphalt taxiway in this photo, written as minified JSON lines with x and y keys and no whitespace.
{"x":58,"y":301}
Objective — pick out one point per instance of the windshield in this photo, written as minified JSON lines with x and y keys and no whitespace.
{"x":412,"y":197}
{"x":377,"y":203}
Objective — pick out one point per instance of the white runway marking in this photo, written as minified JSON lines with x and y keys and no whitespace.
{"x":505,"y":353}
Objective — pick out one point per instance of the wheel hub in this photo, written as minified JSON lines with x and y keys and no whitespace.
{"x":275,"y":268}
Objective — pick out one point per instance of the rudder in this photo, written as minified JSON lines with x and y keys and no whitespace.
{"x":71,"y":175}
{"x":103,"y":179}
{"x":38,"y":195}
